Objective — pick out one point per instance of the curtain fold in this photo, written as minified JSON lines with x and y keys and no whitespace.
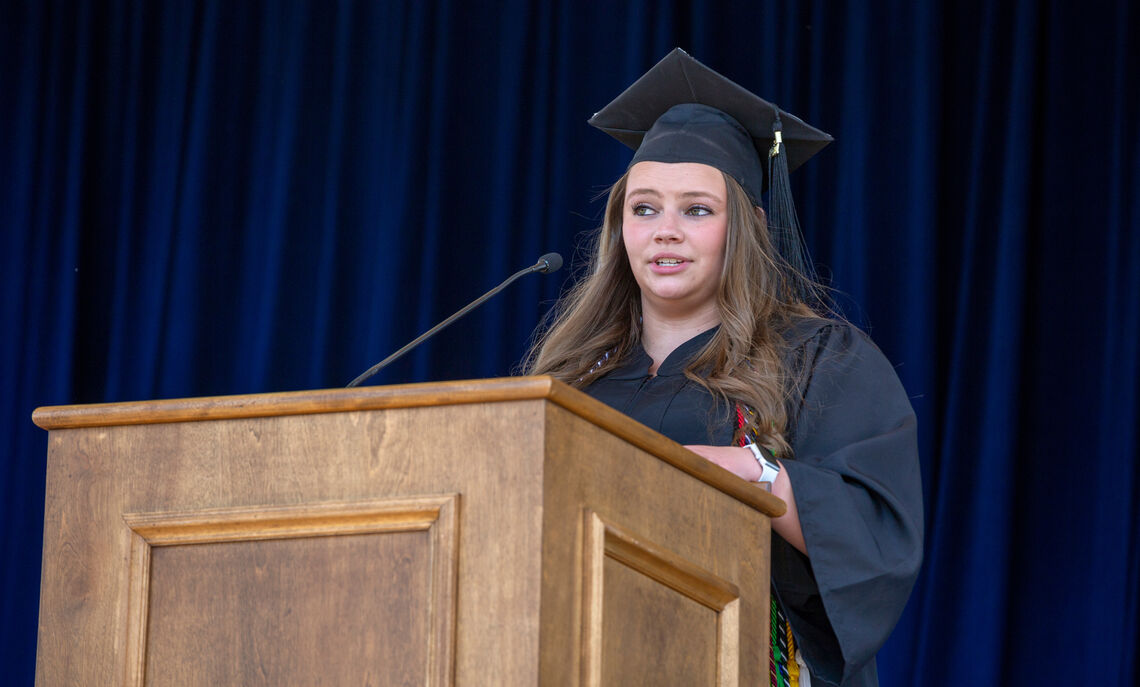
{"x":207,"y":197}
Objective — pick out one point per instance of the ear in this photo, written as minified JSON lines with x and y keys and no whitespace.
{"x":760,"y":213}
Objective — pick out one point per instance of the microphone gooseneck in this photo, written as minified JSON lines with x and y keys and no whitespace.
{"x":551,"y":262}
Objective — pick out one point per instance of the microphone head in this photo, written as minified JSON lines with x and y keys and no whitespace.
{"x":551,"y":262}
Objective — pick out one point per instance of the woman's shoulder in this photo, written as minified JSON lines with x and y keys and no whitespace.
{"x":841,"y":385}
{"x":827,"y":343}
{"x":812,"y":331}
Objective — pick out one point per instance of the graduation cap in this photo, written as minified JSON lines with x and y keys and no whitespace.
{"x":682,"y":111}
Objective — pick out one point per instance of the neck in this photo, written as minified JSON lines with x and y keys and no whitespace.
{"x":661,"y":335}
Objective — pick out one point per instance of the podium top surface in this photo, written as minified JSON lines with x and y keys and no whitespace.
{"x":409,"y":396}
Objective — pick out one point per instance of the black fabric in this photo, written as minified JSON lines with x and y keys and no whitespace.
{"x":634,"y":118}
{"x":668,"y":402}
{"x":854,"y":472}
{"x":705,"y":135}
{"x":858,"y":489}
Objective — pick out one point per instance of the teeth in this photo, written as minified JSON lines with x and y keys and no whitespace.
{"x":668,"y":261}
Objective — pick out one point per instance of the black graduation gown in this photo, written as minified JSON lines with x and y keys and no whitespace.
{"x":854,"y":473}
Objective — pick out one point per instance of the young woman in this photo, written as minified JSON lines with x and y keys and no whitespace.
{"x":692,"y":322}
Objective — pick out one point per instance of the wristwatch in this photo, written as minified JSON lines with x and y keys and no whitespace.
{"x":769,"y":468}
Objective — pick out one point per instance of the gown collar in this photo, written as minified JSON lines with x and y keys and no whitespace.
{"x":637,"y":366}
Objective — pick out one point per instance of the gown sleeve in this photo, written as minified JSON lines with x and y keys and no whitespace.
{"x":855,"y":477}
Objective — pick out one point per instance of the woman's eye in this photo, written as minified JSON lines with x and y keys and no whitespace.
{"x":699,"y":211}
{"x":641,"y":210}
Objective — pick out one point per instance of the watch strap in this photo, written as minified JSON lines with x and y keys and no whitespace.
{"x":769,"y":468}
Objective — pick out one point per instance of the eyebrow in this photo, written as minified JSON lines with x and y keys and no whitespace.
{"x":686,"y":194}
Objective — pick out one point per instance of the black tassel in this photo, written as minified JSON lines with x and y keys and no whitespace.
{"x":784,"y":223}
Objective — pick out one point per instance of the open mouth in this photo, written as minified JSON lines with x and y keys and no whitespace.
{"x":669,"y":262}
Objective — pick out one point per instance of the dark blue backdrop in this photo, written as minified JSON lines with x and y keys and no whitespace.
{"x":212,"y":197}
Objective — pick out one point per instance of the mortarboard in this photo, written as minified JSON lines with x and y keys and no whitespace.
{"x":682,"y":111}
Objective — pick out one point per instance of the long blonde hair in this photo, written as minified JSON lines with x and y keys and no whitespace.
{"x":597,"y":323}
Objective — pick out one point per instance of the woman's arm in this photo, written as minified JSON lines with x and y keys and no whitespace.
{"x":740,"y":461}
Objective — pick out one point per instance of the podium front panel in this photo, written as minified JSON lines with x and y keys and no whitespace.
{"x":509,"y":532}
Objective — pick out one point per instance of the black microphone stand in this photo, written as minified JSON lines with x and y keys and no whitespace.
{"x":550,"y":262}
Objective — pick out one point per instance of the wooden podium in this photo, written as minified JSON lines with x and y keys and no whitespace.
{"x":495,"y":532}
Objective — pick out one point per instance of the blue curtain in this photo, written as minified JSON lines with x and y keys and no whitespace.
{"x":206,"y":197}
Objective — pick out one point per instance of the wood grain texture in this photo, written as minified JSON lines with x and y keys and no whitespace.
{"x":409,"y":396}
{"x":639,"y":622}
{"x":237,"y":540}
{"x":97,"y":475}
{"x":667,"y":568}
{"x":654,"y":636}
{"x":292,"y":611}
{"x":660,"y":558}
{"x":206,"y":597}
{"x":292,"y":403}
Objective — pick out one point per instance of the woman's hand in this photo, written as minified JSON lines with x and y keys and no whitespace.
{"x":736,"y":459}
{"x":740,"y":462}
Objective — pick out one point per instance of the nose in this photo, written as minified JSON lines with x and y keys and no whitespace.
{"x":667,"y":229}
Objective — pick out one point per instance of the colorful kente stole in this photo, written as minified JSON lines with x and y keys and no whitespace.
{"x":783,"y":671}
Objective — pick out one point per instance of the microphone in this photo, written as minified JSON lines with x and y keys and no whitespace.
{"x":551,"y":262}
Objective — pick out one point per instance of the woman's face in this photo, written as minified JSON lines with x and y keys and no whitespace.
{"x":675,"y":225}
